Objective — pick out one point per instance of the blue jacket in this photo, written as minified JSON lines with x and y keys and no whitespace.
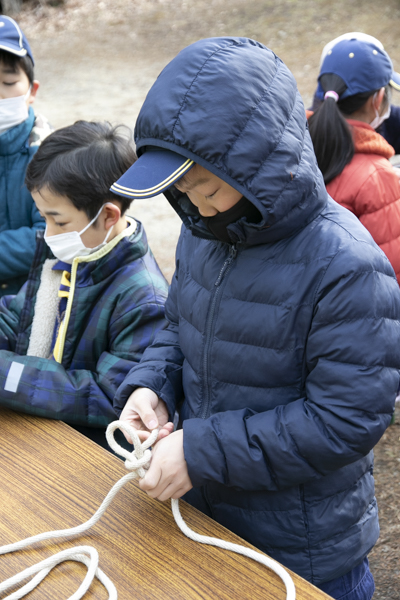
{"x":283,"y":347}
{"x":19,"y":217}
{"x":390,"y":128}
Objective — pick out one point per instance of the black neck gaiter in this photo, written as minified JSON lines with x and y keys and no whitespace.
{"x":218,"y":224}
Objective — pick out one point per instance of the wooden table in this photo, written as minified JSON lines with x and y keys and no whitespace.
{"x":54,"y":478}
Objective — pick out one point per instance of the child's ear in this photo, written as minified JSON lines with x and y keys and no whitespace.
{"x":34,"y":89}
{"x":378,"y":99}
{"x":112,"y":214}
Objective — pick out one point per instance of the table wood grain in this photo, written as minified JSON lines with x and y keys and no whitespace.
{"x":53,"y":478}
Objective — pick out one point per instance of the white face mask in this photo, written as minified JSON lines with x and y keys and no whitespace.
{"x":13,"y":111}
{"x":67,"y":246}
{"x":380,"y":118}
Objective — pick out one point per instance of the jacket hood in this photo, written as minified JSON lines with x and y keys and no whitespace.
{"x":232,"y":106}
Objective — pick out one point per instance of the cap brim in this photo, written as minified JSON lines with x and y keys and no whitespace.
{"x":13,"y":49}
{"x":155,"y":171}
{"x":395,"y":81}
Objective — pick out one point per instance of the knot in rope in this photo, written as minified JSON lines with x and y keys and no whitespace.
{"x":138,"y":460}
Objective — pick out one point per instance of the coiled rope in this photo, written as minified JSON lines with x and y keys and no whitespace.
{"x":137,"y":462}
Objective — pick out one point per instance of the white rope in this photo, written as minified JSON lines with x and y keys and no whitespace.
{"x":137,"y":462}
{"x":261,"y":558}
{"x":84,"y":554}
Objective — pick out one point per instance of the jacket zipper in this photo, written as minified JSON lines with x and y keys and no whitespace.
{"x":67,"y":314}
{"x":226,"y":267}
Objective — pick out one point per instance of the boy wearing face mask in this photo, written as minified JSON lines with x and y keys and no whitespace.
{"x":95,"y":296}
{"x":357,"y":77}
{"x":20,"y":135}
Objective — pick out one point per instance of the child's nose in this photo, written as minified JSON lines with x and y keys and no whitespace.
{"x":50,"y":230}
{"x":205,"y":209}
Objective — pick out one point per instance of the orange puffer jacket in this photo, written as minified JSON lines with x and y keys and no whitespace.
{"x":369,"y":187}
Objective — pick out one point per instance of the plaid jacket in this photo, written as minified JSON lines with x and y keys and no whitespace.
{"x":116,"y":306}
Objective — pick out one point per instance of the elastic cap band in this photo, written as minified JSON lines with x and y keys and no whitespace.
{"x":331,"y":94}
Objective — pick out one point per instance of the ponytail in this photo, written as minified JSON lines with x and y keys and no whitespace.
{"x":330,"y":132}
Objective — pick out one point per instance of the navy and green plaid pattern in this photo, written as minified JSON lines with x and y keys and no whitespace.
{"x":117,"y":308}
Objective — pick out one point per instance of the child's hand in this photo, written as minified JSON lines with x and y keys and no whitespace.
{"x":167,"y":476}
{"x":145,"y":411}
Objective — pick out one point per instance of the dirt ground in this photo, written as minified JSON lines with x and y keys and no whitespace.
{"x":385,"y":556}
{"x":97,"y":59}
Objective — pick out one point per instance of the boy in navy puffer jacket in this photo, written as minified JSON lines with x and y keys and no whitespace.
{"x":20,"y":136}
{"x":282,"y":351}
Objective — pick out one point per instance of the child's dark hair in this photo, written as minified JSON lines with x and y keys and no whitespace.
{"x":81,"y":162}
{"x":15,"y":63}
{"x":330,"y":132}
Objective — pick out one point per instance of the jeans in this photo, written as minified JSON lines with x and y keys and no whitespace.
{"x":357,"y":584}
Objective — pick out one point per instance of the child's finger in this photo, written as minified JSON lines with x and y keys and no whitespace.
{"x":173,"y":490}
{"x":180,"y":492}
{"x":147,"y":414}
{"x":166,"y":430}
{"x":143,"y":435}
{"x":151,"y":480}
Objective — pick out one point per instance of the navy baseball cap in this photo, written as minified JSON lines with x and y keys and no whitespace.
{"x":362,"y":65}
{"x":12,"y":39}
{"x":154,"y":171}
{"x":356,"y":35}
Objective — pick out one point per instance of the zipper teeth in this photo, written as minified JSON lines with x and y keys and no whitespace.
{"x":206,"y":403}
{"x":223,"y":272}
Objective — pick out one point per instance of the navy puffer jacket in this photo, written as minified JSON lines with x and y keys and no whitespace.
{"x":283,"y":347}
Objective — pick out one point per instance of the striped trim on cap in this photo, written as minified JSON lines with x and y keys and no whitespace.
{"x":157,"y":189}
{"x":394,"y":85}
{"x":22,"y":52}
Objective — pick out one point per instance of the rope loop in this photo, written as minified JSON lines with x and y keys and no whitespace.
{"x":138,"y":460}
